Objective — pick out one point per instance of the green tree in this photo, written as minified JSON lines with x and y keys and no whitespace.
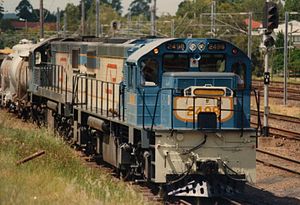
{"x":194,"y":8}
{"x":6,"y":25}
{"x":107,"y":15}
{"x":292,"y":5}
{"x":48,"y":16}
{"x":139,"y":7}
{"x":73,"y":17}
{"x":294,"y":65}
{"x":25,"y":10}
{"x":115,"y":4}
{"x":1,"y":9}
{"x":278,"y":54}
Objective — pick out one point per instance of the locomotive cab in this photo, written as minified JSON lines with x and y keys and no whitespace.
{"x":158,"y":83}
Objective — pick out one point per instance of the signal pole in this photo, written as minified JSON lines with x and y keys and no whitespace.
{"x":285,"y":58}
{"x":41,"y":19}
{"x":266,"y":91}
{"x":270,"y":22}
{"x":266,"y":83}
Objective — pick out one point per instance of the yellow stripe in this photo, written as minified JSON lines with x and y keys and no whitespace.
{"x":209,"y":92}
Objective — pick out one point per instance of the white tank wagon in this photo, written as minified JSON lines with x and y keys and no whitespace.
{"x":14,"y":76}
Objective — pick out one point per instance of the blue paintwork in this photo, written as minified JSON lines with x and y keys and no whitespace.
{"x":163,"y":114}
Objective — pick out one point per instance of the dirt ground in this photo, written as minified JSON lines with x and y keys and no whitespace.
{"x":279,"y":187}
{"x":279,"y":182}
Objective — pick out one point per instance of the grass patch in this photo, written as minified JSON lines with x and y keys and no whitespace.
{"x":58,"y":177}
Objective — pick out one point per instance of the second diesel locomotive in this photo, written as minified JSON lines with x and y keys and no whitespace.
{"x":174,"y":112}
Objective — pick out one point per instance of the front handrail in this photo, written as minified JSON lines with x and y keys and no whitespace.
{"x":219,"y":104}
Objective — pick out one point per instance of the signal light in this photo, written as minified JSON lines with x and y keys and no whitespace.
{"x":271,"y":17}
{"x":269,"y":41}
{"x":114,"y":25}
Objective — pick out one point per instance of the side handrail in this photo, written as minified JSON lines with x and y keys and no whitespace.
{"x":89,"y":83}
{"x":257,"y":100}
{"x":156,"y":101}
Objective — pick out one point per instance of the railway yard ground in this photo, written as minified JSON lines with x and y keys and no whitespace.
{"x":62,"y":176}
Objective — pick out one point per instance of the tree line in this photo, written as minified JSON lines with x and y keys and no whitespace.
{"x":189,"y":19}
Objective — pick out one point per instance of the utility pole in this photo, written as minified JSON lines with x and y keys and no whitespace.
{"x":65,"y":25}
{"x":285,"y":54}
{"x":97,"y":18}
{"x":129,"y":23}
{"x":41,"y":19}
{"x":172,"y":28}
{"x":213,"y":18}
{"x":58,"y":21}
{"x":82,"y":18}
{"x":250,"y":35}
{"x":153,"y":17}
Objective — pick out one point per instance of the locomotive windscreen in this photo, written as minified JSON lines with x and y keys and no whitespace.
{"x":212,"y":63}
{"x":175,"y":62}
{"x":203,"y":62}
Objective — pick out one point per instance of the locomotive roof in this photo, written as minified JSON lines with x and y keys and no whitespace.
{"x":42,"y":43}
{"x":147,"y":48}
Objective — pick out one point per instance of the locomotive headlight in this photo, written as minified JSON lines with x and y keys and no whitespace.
{"x":192,"y":47}
{"x":156,"y":51}
{"x":201,"y":46}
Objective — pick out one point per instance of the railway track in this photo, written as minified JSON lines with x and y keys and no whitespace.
{"x":276,"y":84}
{"x":278,"y":117}
{"x":281,"y":133}
{"x":276,"y":89}
{"x":278,"y":161}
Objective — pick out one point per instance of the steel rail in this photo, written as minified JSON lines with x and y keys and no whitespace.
{"x":295,"y":135}
{"x":278,"y":156}
{"x":279,"y":117}
{"x":277,"y":166}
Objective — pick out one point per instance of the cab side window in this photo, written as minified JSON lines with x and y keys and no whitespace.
{"x":75,"y":58}
{"x":131,"y":75}
{"x":149,"y":72}
{"x":239,"y":69}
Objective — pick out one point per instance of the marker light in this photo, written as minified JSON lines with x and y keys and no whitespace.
{"x":192,"y":47}
{"x":201,"y":46}
{"x":234,"y":51}
{"x":156,"y":50}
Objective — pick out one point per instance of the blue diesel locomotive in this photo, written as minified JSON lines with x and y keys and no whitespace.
{"x":174,"y":112}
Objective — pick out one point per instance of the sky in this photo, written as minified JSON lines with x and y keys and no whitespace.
{"x":169,"y":6}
